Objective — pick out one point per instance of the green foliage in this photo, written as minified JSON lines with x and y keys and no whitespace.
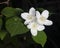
{"x":2,"y":34}
{"x":19,"y":11}
{"x":41,"y":38}
{"x":15,"y":26}
{"x":9,"y":11}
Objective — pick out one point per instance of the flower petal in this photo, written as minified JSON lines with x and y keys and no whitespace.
{"x":48,"y":22}
{"x":32,"y":25}
{"x":38,"y":14}
{"x":45,"y":13}
{"x":24,"y":15}
{"x":40,"y":28}
{"x":40,"y":22}
{"x":33,"y":32}
{"x":32,"y":11}
{"x":26,"y":22}
{"x":29,"y":26}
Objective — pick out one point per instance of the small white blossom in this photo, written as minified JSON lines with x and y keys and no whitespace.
{"x":29,"y":17}
{"x":43,"y":18}
{"x":35,"y":27}
{"x":36,"y":21}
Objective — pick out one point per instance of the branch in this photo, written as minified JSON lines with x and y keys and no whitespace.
{"x":6,"y":2}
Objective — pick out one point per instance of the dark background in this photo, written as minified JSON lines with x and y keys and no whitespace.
{"x":52,"y":32}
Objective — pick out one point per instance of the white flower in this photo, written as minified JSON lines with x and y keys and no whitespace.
{"x":43,"y":18}
{"x":29,"y":17}
{"x":36,"y":21}
{"x":35,"y":27}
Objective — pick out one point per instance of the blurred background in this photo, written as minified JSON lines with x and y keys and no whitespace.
{"x":25,"y":40}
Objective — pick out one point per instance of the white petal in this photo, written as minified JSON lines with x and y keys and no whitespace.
{"x":40,"y":22}
{"x":48,"y":22}
{"x":40,"y":28}
{"x":33,"y":32}
{"x":24,"y":15}
{"x":38,"y":14}
{"x":32,"y":11}
{"x":26,"y":22}
{"x":45,"y":13}
{"x":29,"y":26}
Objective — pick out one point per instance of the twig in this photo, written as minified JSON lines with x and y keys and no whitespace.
{"x":6,"y":2}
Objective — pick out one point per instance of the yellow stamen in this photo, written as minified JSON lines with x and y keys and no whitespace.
{"x":42,"y":18}
{"x":34,"y":26}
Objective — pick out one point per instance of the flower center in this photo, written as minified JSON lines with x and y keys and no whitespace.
{"x":31,"y":17}
{"x":42,"y":18}
{"x":34,"y":26}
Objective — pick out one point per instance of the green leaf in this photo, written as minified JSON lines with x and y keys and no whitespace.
{"x":15,"y":26}
{"x":0,"y":22}
{"x":41,"y":38}
{"x":9,"y":11}
{"x":2,"y":34}
{"x":19,"y":11}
